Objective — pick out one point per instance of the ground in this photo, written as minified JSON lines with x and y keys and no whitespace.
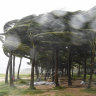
{"x":49,"y":91}
{"x":22,"y":89}
{"x":75,"y":90}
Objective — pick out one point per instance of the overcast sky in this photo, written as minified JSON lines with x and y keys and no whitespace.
{"x":16,"y":9}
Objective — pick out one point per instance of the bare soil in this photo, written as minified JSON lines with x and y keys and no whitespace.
{"x":74,"y":90}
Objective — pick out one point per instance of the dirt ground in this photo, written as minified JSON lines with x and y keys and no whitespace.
{"x":64,"y":92}
{"x":75,"y":90}
{"x":67,"y":92}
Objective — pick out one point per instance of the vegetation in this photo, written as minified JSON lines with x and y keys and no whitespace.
{"x":91,"y":90}
{"x":5,"y":90}
{"x":57,"y":46}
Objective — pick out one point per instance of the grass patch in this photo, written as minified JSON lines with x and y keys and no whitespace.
{"x":2,"y":75}
{"x":25,"y":75}
{"x":75,"y":77}
{"x":30,"y":91}
{"x":90,"y":90}
{"x":94,"y":77}
{"x":3,"y":92}
{"x":6,"y":90}
{"x":22,"y":81}
{"x":59,"y":88}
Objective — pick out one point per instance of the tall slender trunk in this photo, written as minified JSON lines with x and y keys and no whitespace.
{"x":53,"y":67}
{"x":32,"y":74}
{"x":62,"y":71}
{"x":52,"y":73}
{"x":56,"y":68}
{"x":72,"y":71}
{"x":91,"y":70}
{"x":11,"y":75}
{"x":79,"y":70}
{"x":85,"y":68}
{"x":69,"y":68}
{"x":13,"y":67}
{"x":36,"y":70}
{"x":32,"y":71}
{"x":18,"y":77}
{"x":41,"y":70}
{"x":6,"y":76}
{"x":66,"y":70}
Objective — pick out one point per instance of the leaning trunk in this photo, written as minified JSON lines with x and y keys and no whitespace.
{"x":18,"y":77}
{"x":11,"y":75}
{"x":6,"y":76}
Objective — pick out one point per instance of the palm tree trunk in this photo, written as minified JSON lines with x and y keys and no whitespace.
{"x":18,"y":77}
